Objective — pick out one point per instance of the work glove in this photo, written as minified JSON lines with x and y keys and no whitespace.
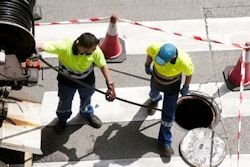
{"x":184,"y":91}
{"x":148,"y":69}
{"x":110,"y":94}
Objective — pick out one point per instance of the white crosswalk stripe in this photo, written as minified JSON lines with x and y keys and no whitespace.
{"x":143,"y":162}
{"x":117,"y":111}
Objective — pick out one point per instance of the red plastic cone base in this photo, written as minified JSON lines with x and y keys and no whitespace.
{"x":235,"y":74}
{"x":121,"y":57}
{"x":111,"y":47}
{"x":228,"y":82}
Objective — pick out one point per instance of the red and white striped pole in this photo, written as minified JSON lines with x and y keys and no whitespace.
{"x":241,"y":104}
{"x":243,"y":77}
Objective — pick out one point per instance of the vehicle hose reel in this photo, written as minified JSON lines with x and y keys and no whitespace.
{"x":16,"y":22}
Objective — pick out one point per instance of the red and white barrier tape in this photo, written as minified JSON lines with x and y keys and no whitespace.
{"x":75,"y":21}
{"x":195,"y":37}
{"x":96,"y":19}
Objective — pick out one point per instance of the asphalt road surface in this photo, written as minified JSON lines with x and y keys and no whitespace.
{"x":133,"y":142}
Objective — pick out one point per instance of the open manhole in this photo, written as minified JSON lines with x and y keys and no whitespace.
{"x":198,"y":113}
{"x":195,"y":111}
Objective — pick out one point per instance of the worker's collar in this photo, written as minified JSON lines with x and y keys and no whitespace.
{"x":173,"y":61}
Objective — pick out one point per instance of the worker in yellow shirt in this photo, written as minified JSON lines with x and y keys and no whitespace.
{"x":77,"y":59}
{"x":166,"y":63}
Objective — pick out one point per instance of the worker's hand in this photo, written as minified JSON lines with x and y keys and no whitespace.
{"x":110,"y":94}
{"x":184,"y":91}
{"x":148,"y":69}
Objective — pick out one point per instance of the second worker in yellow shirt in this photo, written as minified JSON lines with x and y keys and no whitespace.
{"x":166,"y":63}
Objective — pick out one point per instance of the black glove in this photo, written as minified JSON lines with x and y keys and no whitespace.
{"x":148,"y":69}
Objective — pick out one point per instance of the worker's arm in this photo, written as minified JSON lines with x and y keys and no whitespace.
{"x":110,"y":94}
{"x":185,"y":89}
{"x":148,"y":62}
{"x":188,"y":80}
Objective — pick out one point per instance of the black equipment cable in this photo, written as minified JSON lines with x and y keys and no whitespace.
{"x":90,"y":87}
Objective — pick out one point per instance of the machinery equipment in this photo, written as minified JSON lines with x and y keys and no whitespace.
{"x":17,"y":47}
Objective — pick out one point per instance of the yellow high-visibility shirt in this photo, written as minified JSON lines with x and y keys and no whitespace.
{"x":78,"y":63}
{"x":183,"y":62}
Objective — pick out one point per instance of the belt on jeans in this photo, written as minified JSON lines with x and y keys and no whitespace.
{"x":165,"y":80}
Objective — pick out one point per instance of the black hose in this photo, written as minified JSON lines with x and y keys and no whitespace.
{"x":90,"y":87}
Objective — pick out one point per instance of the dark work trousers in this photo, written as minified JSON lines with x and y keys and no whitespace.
{"x":171,"y":93}
{"x":66,"y":94}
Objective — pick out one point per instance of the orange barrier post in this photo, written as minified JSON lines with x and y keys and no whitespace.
{"x":233,"y":77}
{"x":111,"y":45}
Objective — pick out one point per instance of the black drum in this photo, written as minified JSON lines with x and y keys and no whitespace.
{"x":16,"y":23}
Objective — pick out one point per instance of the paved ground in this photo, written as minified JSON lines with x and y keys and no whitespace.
{"x":129,"y":137}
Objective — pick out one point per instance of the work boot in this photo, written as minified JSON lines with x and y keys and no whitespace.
{"x":167,"y":151}
{"x":60,"y":127}
{"x":152,"y":104}
{"x":94,"y":121}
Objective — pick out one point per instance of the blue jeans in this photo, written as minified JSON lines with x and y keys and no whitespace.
{"x":168,"y":112}
{"x":66,"y":94}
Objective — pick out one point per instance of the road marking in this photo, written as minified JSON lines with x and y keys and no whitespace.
{"x":141,"y":162}
{"x":138,"y":38}
{"x":118,"y":111}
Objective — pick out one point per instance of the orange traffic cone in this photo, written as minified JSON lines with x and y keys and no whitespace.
{"x":111,"y":45}
{"x":234,"y":74}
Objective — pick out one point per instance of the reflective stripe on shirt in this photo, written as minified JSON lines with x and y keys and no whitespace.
{"x":74,"y":74}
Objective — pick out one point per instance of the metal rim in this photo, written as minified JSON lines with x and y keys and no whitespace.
{"x":210,"y":107}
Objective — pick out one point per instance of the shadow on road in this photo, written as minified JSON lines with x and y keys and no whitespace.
{"x":221,"y":90}
{"x":116,"y":143}
{"x":52,"y":143}
{"x":126,"y":142}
